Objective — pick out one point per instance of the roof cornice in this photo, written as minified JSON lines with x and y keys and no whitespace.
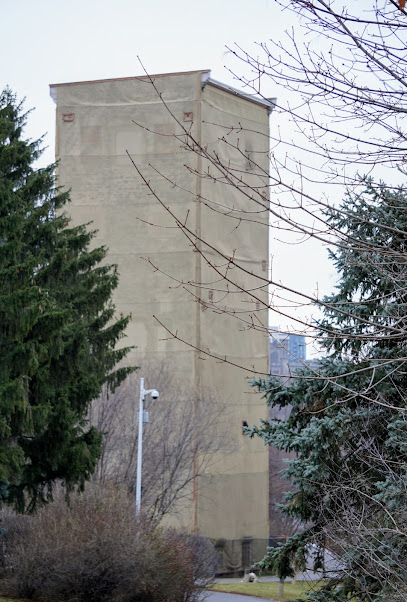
{"x":268,"y":103}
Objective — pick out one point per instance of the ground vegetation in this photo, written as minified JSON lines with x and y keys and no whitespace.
{"x":93,"y":550}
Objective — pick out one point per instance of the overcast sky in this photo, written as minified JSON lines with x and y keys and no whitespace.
{"x":49,"y":41}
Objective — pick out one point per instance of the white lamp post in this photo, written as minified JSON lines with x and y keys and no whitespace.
{"x":155,"y":395}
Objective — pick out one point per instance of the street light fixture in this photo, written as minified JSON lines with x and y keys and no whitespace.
{"x":141,"y":419}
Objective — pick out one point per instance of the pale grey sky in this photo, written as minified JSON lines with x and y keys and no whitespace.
{"x":49,"y":41}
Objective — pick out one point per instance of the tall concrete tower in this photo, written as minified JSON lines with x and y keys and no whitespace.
{"x":139,"y":156}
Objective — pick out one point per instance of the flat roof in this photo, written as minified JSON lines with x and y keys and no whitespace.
{"x":122,"y":79}
{"x":206,"y":79}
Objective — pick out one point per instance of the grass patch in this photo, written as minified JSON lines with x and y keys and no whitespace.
{"x":267,"y":589}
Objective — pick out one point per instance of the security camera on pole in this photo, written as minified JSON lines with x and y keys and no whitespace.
{"x":142,"y":417}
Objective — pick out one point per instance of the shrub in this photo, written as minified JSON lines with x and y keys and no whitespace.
{"x":205,"y":560}
{"x":92,"y":550}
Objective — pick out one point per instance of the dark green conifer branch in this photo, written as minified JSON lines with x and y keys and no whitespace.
{"x":347,"y":425}
{"x":58,"y":331}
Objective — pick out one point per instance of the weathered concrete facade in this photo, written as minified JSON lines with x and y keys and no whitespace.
{"x":96,"y":134}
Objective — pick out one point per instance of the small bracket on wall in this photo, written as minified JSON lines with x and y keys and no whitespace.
{"x":68,"y":117}
{"x":187,"y":116}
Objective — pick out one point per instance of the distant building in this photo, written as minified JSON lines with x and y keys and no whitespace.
{"x":288,"y":352}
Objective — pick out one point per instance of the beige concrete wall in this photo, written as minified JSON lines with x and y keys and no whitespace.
{"x":244,"y":478}
{"x":107,"y":190}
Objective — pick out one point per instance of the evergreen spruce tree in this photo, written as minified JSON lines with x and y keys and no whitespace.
{"x":58,"y":333}
{"x":347,"y":425}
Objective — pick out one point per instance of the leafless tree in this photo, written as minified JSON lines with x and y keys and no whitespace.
{"x":363,"y":528}
{"x":340,"y":77}
{"x":183,"y":439}
{"x":92,"y":549}
{"x":341,"y":73}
